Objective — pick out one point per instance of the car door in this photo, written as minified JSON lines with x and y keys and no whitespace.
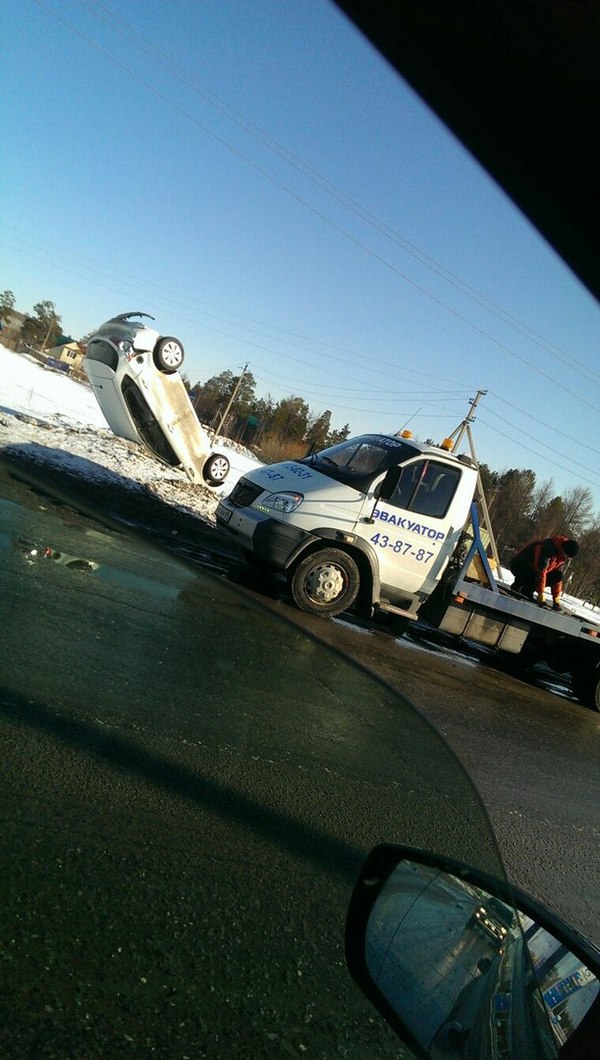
{"x":411,"y":529}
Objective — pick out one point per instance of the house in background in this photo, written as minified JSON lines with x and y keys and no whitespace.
{"x":68,"y":353}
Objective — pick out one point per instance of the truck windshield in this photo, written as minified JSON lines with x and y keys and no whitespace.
{"x":358,"y":461}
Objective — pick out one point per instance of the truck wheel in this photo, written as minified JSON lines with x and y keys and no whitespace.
{"x":168,"y":355}
{"x":216,"y":469}
{"x":325,"y":583}
{"x":586,"y":687}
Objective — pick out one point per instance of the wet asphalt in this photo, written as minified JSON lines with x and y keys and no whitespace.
{"x":192,"y":779}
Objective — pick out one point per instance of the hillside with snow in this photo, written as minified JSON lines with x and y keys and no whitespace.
{"x":58,"y":423}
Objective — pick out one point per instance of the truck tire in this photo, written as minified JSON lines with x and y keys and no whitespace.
{"x":325,"y":582}
{"x":586,"y":687}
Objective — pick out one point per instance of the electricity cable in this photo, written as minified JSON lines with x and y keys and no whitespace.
{"x":317,"y":212}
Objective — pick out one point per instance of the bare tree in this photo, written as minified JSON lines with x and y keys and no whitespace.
{"x":583,"y":575}
{"x":578,"y":509}
{"x":542,"y":497}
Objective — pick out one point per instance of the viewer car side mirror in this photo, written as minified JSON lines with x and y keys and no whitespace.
{"x":461,"y":964}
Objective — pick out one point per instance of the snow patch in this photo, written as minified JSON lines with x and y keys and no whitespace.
{"x":57,"y":422}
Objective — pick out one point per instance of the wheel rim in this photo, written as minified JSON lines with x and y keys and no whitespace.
{"x":325,"y":583}
{"x":219,"y":469}
{"x":171,"y":354}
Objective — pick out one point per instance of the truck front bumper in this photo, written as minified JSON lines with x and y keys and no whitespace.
{"x":272,"y":542}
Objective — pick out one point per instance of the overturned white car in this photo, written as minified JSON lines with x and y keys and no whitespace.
{"x":134,"y":373}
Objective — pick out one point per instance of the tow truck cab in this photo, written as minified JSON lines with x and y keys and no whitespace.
{"x":374,"y":519}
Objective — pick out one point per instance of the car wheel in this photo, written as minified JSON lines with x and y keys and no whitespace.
{"x":216,"y":469}
{"x":168,"y":354}
{"x":325,"y":583}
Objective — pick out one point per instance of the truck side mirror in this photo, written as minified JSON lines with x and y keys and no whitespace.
{"x":386,"y":487}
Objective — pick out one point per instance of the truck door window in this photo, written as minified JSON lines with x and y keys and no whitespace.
{"x":406,"y":485}
{"x":426,"y":488}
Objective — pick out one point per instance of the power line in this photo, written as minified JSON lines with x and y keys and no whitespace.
{"x":345,"y":353}
{"x":550,"y":427}
{"x":418,"y":394}
{"x":319,"y":213}
{"x":543,"y":456}
{"x":540,"y":442}
{"x":260,"y":134}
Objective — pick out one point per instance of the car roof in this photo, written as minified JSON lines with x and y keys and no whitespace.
{"x":519,"y":84}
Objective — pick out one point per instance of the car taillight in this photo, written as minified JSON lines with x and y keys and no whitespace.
{"x":122,"y":344}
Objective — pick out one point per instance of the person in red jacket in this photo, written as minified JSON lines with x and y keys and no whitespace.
{"x":540,"y":564}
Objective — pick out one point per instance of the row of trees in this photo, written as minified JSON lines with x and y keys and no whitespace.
{"x":521,"y":509}
{"x":42,"y":328}
{"x":280,"y":429}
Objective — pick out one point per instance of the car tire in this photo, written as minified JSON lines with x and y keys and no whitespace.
{"x":325,"y":582}
{"x":168,"y":354}
{"x":216,"y":469}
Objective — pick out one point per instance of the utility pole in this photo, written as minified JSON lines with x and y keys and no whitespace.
{"x":231,"y":400}
{"x":50,"y":326}
{"x":468,"y":420}
{"x":457,"y":436}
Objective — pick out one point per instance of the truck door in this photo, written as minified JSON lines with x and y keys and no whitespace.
{"x":412,"y":524}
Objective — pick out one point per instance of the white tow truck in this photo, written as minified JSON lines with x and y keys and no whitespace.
{"x":382,"y":522}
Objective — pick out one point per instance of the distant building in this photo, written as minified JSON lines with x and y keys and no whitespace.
{"x":69,"y":353}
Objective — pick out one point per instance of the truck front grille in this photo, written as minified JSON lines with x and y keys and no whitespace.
{"x":244,"y":492}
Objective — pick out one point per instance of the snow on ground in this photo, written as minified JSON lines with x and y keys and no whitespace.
{"x":29,"y":388}
{"x":60,"y":423}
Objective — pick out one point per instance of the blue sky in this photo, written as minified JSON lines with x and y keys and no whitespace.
{"x":254,"y":175}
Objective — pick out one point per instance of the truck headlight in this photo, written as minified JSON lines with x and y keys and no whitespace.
{"x":282,"y":502}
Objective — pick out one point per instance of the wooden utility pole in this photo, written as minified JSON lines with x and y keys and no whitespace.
{"x":50,"y":326}
{"x":231,"y":401}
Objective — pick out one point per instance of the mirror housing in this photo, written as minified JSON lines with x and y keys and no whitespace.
{"x":386,"y":487}
{"x":461,"y":963}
